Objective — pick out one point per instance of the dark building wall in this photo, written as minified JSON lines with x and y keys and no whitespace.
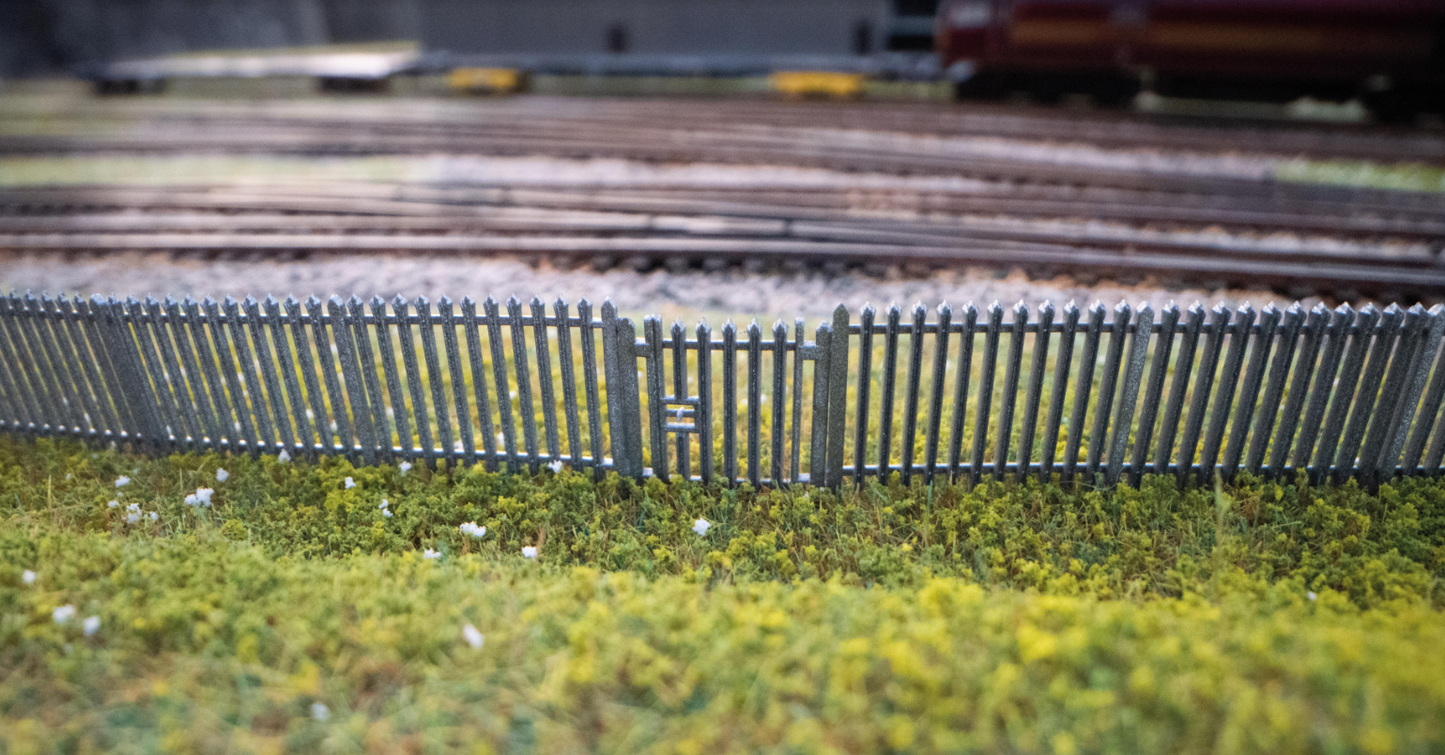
{"x":822,"y":27}
{"x":52,"y":35}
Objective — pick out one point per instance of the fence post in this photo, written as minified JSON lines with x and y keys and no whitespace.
{"x":614,"y":354}
{"x":837,"y":395}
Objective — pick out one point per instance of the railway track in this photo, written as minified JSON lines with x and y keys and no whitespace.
{"x":1177,"y":218}
{"x":678,"y":227}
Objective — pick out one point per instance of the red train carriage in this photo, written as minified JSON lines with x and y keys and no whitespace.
{"x":1391,"y":53}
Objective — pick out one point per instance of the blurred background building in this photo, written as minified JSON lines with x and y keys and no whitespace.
{"x":41,"y":36}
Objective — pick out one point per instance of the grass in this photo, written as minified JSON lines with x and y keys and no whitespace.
{"x":292,"y":615}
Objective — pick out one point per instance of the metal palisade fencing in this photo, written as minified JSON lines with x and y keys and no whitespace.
{"x":1090,"y":396}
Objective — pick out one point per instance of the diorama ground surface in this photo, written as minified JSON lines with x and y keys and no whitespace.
{"x":309,"y":605}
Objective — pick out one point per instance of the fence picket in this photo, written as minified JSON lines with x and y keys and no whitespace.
{"x":479,"y":384}
{"x":908,"y":440}
{"x":985,"y":391}
{"x":504,"y":391}
{"x":589,"y":384}
{"x":755,"y":402}
{"x":704,"y":401}
{"x":569,"y":385}
{"x":466,"y":442}
{"x":1085,"y":380}
{"x":1010,"y":391}
{"x":889,"y":388}
{"x":1036,"y":387}
{"x":1067,"y":333}
{"x":680,"y":393}
{"x":386,"y":351}
{"x":730,"y":407}
{"x":777,"y":433}
{"x":935,"y":401}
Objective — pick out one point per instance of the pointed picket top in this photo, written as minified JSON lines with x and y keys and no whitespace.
{"x":444,"y":303}
{"x":754,"y":330}
{"x":867,"y":310}
{"x":919,"y":310}
{"x":513,"y":302}
{"x":729,"y":327}
{"x":703,"y":329}
{"x":893,"y":310}
{"x":780,"y":329}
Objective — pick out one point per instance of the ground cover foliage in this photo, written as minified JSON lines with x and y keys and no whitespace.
{"x":293,"y":614}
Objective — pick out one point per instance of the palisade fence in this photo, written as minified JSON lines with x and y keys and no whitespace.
{"x":1090,"y":395}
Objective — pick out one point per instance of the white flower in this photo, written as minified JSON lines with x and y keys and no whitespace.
{"x":320,"y":712}
{"x":529,"y":551}
{"x":63,"y":614}
{"x":350,"y":483}
{"x":1311,"y":595}
{"x":203,"y":496}
{"x":91,"y":625}
{"x":122,"y":481}
{"x":112,"y":504}
{"x":191,"y":500}
{"x":28,"y":577}
{"x":384,"y":504}
{"x":512,"y":394}
{"x":221,"y":475}
{"x":473,"y":637}
{"x":471,"y":528}
{"x":679,"y":413}
{"x":133,"y":508}
{"x":386,"y":513}
{"x":555,"y":466}
{"x":429,"y":553}
{"x":283,"y":457}
{"x":501,"y":440}
{"x":154,"y":516}
{"x":405,"y":467}
{"x":700,"y":527}
{"x":457,"y":446}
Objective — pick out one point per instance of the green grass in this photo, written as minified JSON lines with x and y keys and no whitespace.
{"x":1400,"y":176}
{"x":1261,"y":617}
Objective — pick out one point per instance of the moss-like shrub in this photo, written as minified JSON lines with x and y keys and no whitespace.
{"x":292,"y":614}
{"x":1157,"y":540}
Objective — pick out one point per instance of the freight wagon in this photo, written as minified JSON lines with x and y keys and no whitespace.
{"x":1388,"y":53}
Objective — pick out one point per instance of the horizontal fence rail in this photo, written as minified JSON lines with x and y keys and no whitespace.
{"x":1093,"y":395}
